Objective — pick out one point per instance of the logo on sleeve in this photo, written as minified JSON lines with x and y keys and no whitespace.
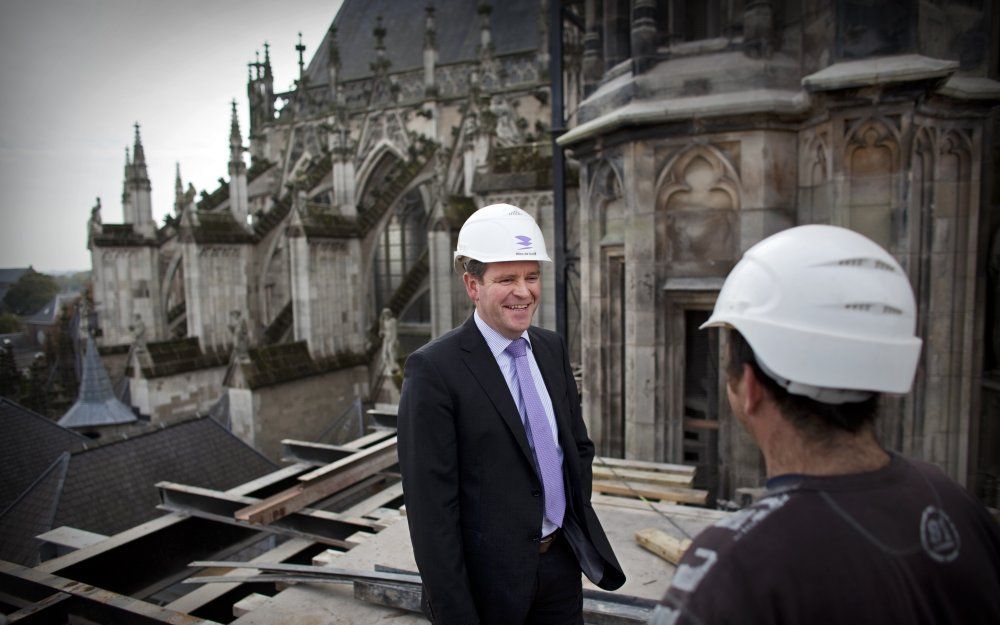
{"x":938,"y":535}
{"x":688,"y":576}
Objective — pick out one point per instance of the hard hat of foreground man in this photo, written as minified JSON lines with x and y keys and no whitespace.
{"x":819,"y":322}
{"x":495,"y":458}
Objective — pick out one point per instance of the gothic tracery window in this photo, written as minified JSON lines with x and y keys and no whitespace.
{"x":399,"y":247}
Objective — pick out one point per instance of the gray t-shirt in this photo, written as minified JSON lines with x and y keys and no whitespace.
{"x":903,"y":544}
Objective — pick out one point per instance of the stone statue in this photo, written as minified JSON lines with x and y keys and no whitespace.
{"x":95,"y":213}
{"x":240,"y":334}
{"x":389,"y":333}
{"x":138,"y":329}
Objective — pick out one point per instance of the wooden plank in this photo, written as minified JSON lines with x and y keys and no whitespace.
{"x":372,"y":438}
{"x":643,"y":465}
{"x":200,"y":597}
{"x":663,"y":544}
{"x":670,"y":509}
{"x":316,"y":454}
{"x":665,"y":493}
{"x":646,"y":477}
{"x":249,"y":603}
{"x":322,"y":483}
{"x":378,"y":500}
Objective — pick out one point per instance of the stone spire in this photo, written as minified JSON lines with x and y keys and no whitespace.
{"x":430,"y":51}
{"x":137,"y":206}
{"x":381,"y":63}
{"x":260,"y":93}
{"x":178,"y":190}
{"x":301,"y":49}
{"x":489,"y":68}
{"x":96,"y":404}
{"x":333,"y":64}
{"x":238,"y":196}
{"x":138,"y":156}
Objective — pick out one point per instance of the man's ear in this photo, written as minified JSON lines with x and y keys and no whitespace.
{"x":753,"y":391}
{"x":471,"y":286}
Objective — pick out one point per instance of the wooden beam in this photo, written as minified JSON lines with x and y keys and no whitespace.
{"x":378,"y":435}
{"x":321,"y":526}
{"x":706,"y":515}
{"x":665,"y":493}
{"x":643,"y":465}
{"x":663,"y":544}
{"x":322,"y":483}
{"x":646,"y":477}
{"x":202,"y":596}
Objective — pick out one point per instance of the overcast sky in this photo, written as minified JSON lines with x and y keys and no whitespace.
{"x":76,"y":74}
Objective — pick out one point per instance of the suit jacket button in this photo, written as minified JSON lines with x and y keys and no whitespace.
{"x":536,"y":493}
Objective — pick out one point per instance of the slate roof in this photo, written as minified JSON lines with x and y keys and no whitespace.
{"x":514,"y":29}
{"x":29,"y":444}
{"x":274,"y":364}
{"x":49,"y":314}
{"x":32,"y":514}
{"x":177,"y":356}
{"x":96,"y":404}
{"x":111,"y":488}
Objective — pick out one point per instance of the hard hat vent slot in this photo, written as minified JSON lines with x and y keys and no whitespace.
{"x":871,"y":263}
{"x":871,"y":307}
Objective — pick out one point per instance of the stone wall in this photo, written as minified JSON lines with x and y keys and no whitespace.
{"x":126,"y":284}
{"x":302,"y":409}
{"x":170,"y":398}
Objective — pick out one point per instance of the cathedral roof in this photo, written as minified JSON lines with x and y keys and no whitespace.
{"x":97,"y":404}
{"x":515,"y":28}
{"x":29,"y":444}
{"x":110,"y":488}
{"x":176,"y":356}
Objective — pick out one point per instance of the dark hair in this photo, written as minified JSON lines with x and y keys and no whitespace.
{"x":812,"y":418}
{"x":475,"y":269}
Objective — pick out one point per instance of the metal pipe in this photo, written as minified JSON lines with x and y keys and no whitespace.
{"x":558,"y":127}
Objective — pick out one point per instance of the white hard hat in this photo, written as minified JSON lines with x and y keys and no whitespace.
{"x":828,"y":313}
{"x":498,"y":233}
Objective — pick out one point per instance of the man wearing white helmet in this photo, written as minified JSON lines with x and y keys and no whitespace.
{"x":495,"y":458}
{"x":820,"y":320}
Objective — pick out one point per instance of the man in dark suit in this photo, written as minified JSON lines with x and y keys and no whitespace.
{"x":495,"y":457}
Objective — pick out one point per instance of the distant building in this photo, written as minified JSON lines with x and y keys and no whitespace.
{"x":404,"y":121}
{"x":695,"y":129}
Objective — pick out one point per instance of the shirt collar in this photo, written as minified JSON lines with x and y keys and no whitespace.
{"x":494,"y":340}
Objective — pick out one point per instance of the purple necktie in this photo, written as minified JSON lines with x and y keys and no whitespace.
{"x":546,"y":453}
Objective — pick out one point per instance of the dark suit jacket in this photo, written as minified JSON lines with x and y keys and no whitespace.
{"x":473,"y":495}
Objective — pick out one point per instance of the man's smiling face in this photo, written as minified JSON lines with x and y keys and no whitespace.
{"x":508,"y":295}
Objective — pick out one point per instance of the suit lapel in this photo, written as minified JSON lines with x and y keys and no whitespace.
{"x":480,"y":361}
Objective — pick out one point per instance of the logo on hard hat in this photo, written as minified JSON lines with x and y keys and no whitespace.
{"x":523,"y":241}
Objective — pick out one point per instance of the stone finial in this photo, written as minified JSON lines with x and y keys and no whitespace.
{"x":430,"y":28}
{"x":267,"y":60}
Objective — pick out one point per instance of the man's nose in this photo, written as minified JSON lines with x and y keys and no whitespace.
{"x":521,"y":289}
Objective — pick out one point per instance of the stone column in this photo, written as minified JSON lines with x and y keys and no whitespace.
{"x":593,"y":49}
{"x":298,"y":254}
{"x":442,"y":274}
{"x":643,"y":35}
{"x":643,"y":434}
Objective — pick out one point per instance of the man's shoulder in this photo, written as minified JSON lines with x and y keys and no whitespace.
{"x":443,"y":345}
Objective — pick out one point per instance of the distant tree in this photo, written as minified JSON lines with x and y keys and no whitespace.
{"x":10,"y":377}
{"x":35,"y":397}
{"x":73,"y":281}
{"x":9,"y":324}
{"x":32,"y":291}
